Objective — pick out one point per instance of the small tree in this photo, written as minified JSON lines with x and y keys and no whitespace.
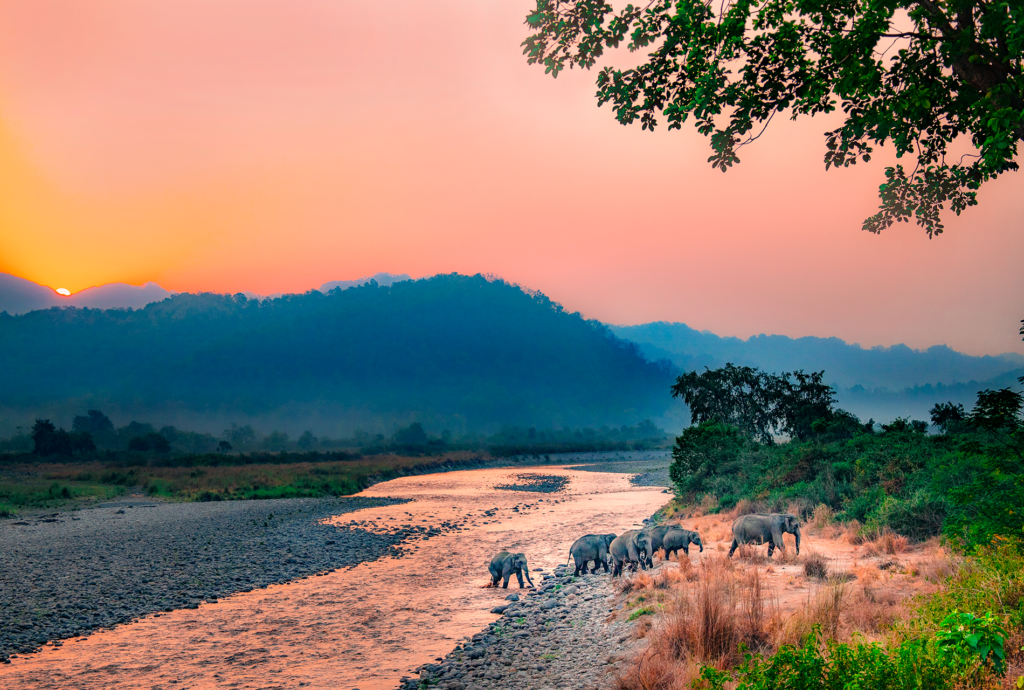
{"x":701,"y":451}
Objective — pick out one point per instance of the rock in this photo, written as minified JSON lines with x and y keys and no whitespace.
{"x":499,"y":609}
{"x":512,"y":597}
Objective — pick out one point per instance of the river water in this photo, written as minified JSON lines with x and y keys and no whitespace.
{"x":367,"y":626}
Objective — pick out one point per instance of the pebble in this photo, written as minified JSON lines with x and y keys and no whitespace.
{"x":538,"y":642}
{"x":65,"y":574}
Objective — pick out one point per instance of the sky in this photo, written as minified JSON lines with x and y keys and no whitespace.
{"x":272,"y":146}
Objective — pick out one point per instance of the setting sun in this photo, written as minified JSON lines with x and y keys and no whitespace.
{"x":64,"y":291}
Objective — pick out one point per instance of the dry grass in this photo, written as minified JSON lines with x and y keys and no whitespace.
{"x":872,"y":610}
{"x":823,"y":608}
{"x":704,"y":624}
{"x":745,"y":507}
{"x":887,"y":542}
{"x":816,"y":566}
{"x":822,"y":517}
{"x":748,"y":553}
{"x":787,"y":556}
{"x":712,"y":603}
{"x":854,"y":533}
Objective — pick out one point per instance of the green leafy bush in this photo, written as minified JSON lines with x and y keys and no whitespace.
{"x":912,"y":665}
{"x":967,"y":635}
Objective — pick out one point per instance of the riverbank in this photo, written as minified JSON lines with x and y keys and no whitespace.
{"x":560,"y":635}
{"x":66,"y":574}
{"x":368,"y":625}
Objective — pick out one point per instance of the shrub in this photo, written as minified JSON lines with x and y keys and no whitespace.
{"x":913,"y":665}
{"x":822,"y":517}
{"x":645,"y":611}
{"x":816,"y":565}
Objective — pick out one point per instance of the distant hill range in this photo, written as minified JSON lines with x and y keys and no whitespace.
{"x":879,"y":382}
{"x":458,"y":352}
{"x":20,"y":296}
{"x":455,"y":352}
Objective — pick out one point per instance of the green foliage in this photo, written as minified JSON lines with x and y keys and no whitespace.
{"x":150,"y":442}
{"x":966,"y":635}
{"x":703,"y":451}
{"x":49,"y":440}
{"x":758,"y":404}
{"x":912,"y":665}
{"x":645,"y":611}
{"x":967,"y":483}
{"x":992,"y":579}
{"x":955,"y":71}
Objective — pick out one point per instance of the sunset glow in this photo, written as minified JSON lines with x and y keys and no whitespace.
{"x":272,"y":147}
{"x":64,"y":291}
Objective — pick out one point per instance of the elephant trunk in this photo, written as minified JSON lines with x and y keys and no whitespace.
{"x":526,"y":574}
{"x":796,"y":533}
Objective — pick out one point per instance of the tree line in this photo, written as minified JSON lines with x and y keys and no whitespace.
{"x":778,"y":438}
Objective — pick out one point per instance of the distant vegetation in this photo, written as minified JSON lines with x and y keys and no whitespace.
{"x":879,"y":382}
{"x":966,"y":481}
{"x":50,"y":467}
{"x":454,"y":352}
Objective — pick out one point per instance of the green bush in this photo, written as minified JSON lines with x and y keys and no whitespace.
{"x":912,"y":665}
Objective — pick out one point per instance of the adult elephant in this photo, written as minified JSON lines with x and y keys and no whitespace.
{"x":591,"y":547}
{"x":633,"y":546}
{"x":504,"y":564}
{"x":765,"y":529}
{"x":678,"y":538}
{"x":657,"y":536}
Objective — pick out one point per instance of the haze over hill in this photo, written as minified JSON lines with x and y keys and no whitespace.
{"x":456,"y":352}
{"x":879,"y":382}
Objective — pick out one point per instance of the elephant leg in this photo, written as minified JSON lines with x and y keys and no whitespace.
{"x":771,"y":548}
{"x":579,"y":564}
{"x":519,"y":576}
{"x":732,"y":549}
{"x":604,"y":564}
{"x":507,"y":578}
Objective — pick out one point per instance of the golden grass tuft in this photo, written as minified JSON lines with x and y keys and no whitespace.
{"x":886,"y":542}
{"x":816,"y":566}
{"x":823,"y":608}
{"x":822,"y":517}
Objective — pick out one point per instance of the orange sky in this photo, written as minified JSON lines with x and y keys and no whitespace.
{"x":274,"y":146}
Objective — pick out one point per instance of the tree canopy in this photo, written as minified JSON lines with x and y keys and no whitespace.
{"x":756,"y":403}
{"x":914,"y":73}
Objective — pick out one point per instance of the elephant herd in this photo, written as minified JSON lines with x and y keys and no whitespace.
{"x":636,"y":547}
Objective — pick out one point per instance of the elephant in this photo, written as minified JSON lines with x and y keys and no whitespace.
{"x":761,"y":529}
{"x":679,"y":538}
{"x":657,"y":535}
{"x":592,"y":547}
{"x":633,"y":546}
{"x":504,"y":564}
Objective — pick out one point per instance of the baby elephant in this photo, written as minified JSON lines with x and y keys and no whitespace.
{"x":504,"y":564}
{"x":676,"y":539}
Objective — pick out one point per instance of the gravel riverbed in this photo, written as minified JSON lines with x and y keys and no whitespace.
{"x":67,"y":573}
{"x":557,"y":636}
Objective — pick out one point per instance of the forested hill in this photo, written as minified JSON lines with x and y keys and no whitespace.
{"x":845,"y":365}
{"x":453,"y":351}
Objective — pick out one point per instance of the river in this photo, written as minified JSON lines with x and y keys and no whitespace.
{"x":367,"y":626}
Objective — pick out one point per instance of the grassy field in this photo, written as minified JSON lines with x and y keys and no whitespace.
{"x":40,"y":486}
